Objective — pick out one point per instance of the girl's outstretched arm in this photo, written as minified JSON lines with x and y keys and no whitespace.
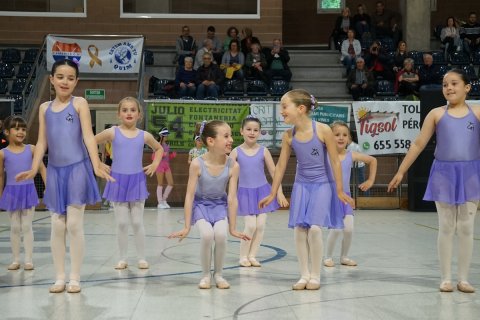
{"x":372,"y":169}
{"x":40,"y":147}
{"x":193,"y":174}
{"x":417,"y":146}
{"x":233,"y":203}
{"x":42,"y":169}
{"x":81,"y":106}
{"x":271,"y":170}
{"x":280,"y":168}
{"x":105,"y":136}
{"x":157,"y":148}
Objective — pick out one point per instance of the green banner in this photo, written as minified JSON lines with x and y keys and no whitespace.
{"x":180,"y":119}
{"x":328,"y":114}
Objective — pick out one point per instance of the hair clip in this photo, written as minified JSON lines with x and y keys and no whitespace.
{"x":196,"y":138}
{"x":249,"y":116}
{"x":75,"y":60}
{"x":202,"y":126}
{"x":312,"y":101}
{"x":164,"y":132}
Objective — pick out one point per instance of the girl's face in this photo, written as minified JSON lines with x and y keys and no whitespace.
{"x":454,"y":89}
{"x":342,"y":136}
{"x":64,"y":80}
{"x":198,"y":143}
{"x":289,"y":110}
{"x":250,"y":131}
{"x":402,"y":46}
{"x":16,"y":135}
{"x":222,"y":143}
{"x":129,"y":113}
{"x":450,"y":22}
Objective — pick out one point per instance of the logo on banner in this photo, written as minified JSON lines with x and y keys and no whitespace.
{"x":62,"y":50}
{"x":375,"y":122}
{"x":122,"y":56}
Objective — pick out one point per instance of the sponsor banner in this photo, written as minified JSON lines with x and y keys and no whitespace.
{"x":180,"y":119}
{"x":330,"y":113}
{"x":272,"y":122}
{"x":386,"y":127}
{"x":97,"y":56}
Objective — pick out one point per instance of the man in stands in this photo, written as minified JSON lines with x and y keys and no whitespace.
{"x":277,"y":62}
{"x":209,"y":78}
{"x":470,"y":34}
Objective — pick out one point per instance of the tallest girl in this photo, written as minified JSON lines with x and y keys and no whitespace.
{"x":65,"y":127}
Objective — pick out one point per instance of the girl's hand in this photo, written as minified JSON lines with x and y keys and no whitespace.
{"x":365,"y":185}
{"x":103,"y":171}
{"x":282,"y":201}
{"x":266,"y":201}
{"x":397,"y":179}
{"x":149,"y":170}
{"x":172,"y":155}
{"x":239,"y":235}
{"x":180,"y":234}
{"x":346,"y":199}
{"x":25,"y":175}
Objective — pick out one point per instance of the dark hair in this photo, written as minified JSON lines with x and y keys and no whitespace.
{"x":462,"y":74}
{"x":234,"y":41}
{"x":209,"y":130}
{"x":67,"y":62}
{"x":250,"y":119}
{"x":211,"y":29}
{"x":14,"y":121}
{"x":448,"y":18}
{"x":230,"y":29}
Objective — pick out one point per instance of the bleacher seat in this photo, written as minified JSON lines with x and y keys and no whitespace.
{"x":233,"y":87}
{"x":148,"y":57}
{"x":164,"y":87}
{"x":18,"y":104}
{"x":256,"y":88}
{"x":210,"y":98}
{"x":24,"y":70}
{"x":476,"y":58}
{"x":438,"y":57}
{"x":11,"y":55}
{"x":417,"y":57}
{"x":259,"y":99}
{"x":470,"y":71}
{"x":7,"y":70}
{"x":30,"y":55}
{"x":387,"y":44}
{"x":459,"y":58}
{"x":279,"y":87}
{"x":366,"y":99}
{"x":3,"y":86}
{"x":187,"y":98}
{"x":18,"y":86}
{"x":442,"y":69}
{"x":385,"y":88}
{"x":475,"y":91}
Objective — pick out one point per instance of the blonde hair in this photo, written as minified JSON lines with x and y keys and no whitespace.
{"x":131,"y":99}
{"x":302,"y":97}
{"x":339,"y":123}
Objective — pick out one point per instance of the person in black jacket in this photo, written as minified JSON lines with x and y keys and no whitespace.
{"x":209,"y":78}
{"x":277,"y":62}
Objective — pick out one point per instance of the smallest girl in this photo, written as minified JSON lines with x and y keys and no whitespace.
{"x":341,"y":133}
{"x":196,"y":151}
{"x":164,"y":170}
{"x":129,"y":191}
{"x":18,"y":198}
{"x":207,"y":205}
{"x":252,"y":187}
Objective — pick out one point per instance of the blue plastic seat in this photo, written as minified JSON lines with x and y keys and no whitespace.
{"x":7,"y":70}
{"x":438,"y":57}
{"x":148,"y":57}
{"x":279,"y":87}
{"x":3,"y":86}
{"x":470,"y":71}
{"x":233,"y":88}
{"x":385,"y":88}
{"x":24,"y":70}
{"x":256,"y":88}
{"x":459,"y":58}
{"x":475,"y":90}
{"x":417,"y":57}
{"x":30,"y":55}
{"x":18,"y":86}
{"x":11,"y":55}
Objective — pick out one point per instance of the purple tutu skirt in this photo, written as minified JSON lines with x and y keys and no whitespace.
{"x":212,"y":210}
{"x":311,"y":204}
{"x":339,"y":211}
{"x":248,"y":199}
{"x":453,"y":182}
{"x":74,"y":184}
{"x":19,"y":197}
{"x":126,"y":188}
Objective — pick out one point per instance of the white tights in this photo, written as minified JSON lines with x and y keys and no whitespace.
{"x":208,"y":236}
{"x":124,"y":213}
{"x":333,"y":235}
{"x":309,"y":243}
{"x":71,"y":223}
{"x":254,"y":228}
{"x":459,"y":219}
{"x":21,"y":224}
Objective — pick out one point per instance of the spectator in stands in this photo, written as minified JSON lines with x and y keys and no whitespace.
{"x":360,"y":81}
{"x":217,"y":47}
{"x":378,"y":62}
{"x":407,"y":79}
{"x":185,"y":46}
{"x":233,"y":61}
{"x":277,"y":62}
{"x":361,"y":21}
{"x":256,"y":64}
{"x":185,"y":79}
{"x":209,"y":78}
{"x":232,"y":34}
{"x":342,"y":24}
{"x":351,"y":50}
{"x":470,"y":34}
{"x":247,"y":41}
{"x":400,"y":56}
{"x":386,"y":23}
{"x":207,"y":47}
{"x":450,"y":37}
{"x":428,"y":73}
